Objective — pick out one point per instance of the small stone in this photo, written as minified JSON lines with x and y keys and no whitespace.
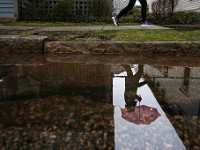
{"x":53,"y":136}
{"x":54,"y":127}
{"x":168,"y":146}
{"x":67,"y":139}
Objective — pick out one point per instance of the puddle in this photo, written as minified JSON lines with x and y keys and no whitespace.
{"x":99,"y":102}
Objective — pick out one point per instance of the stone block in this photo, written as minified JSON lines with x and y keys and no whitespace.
{"x":17,"y":43}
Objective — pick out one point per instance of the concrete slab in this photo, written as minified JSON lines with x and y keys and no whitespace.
{"x":20,"y":28}
{"x":135,"y":27}
{"x":92,"y":28}
{"x":83,"y":28}
{"x":70,"y":28}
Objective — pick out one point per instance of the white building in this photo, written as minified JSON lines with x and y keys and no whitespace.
{"x":10,"y":10}
{"x":7,"y":10}
{"x":183,"y":5}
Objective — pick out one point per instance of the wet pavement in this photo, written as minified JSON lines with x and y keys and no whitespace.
{"x":93,"y":102}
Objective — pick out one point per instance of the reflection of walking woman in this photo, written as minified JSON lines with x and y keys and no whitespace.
{"x":131,"y":85}
{"x":129,"y":7}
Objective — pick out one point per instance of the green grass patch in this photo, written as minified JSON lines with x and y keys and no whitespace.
{"x":157,"y":35}
{"x":117,"y":35}
{"x":53,"y":24}
{"x":60,"y":24}
{"x":140,"y":35}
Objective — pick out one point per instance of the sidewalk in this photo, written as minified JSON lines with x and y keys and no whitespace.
{"x":82,"y":28}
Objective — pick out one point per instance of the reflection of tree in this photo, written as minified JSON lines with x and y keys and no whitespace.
{"x":185,"y":85}
{"x":131,"y":85}
{"x":186,"y":78}
{"x":198,"y":121}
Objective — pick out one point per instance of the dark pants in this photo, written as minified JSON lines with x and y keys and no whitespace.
{"x":130,"y":6}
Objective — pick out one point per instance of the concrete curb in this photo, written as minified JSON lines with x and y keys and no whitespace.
{"x":21,"y":44}
{"x":16,"y":43}
{"x":110,"y":47}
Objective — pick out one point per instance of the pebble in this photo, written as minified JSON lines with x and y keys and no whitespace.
{"x":53,"y":136}
{"x":168,"y":146}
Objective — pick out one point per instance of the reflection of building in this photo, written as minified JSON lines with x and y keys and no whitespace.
{"x":91,"y":80}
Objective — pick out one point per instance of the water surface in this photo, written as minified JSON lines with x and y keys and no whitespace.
{"x":77,"y":102}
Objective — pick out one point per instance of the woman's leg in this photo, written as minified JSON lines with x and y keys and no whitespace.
{"x":143,"y":10}
{"x":126,"y":9}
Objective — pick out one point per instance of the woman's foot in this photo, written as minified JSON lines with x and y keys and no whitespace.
{"x":115,"y":21}
{"x":145,"y":24}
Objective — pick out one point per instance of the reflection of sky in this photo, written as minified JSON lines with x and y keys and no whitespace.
{"x":159,"y":134}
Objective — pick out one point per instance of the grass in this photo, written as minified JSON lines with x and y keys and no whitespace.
{"x":134,"y":35}
{"x":110,"y":35}
{"x":117,"y":35}
{"x":52,"y":24}
{"x":60,"y":24}
{"x":157,"y":35}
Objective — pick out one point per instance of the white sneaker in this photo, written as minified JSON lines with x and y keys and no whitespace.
{"x":145,"y":24}
{"x":115,"y":21}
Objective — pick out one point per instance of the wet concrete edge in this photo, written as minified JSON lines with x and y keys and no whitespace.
{"x":128,"y":48}
{"x":40,"y":44}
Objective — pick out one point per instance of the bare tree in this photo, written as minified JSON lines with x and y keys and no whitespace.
{"x":164,"y":7}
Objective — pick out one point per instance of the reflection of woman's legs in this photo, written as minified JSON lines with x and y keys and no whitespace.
{"x":128,"y":70}
{"x":143,"y":10}
{"x":140,"y":70}
{"x":126,"y":9}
